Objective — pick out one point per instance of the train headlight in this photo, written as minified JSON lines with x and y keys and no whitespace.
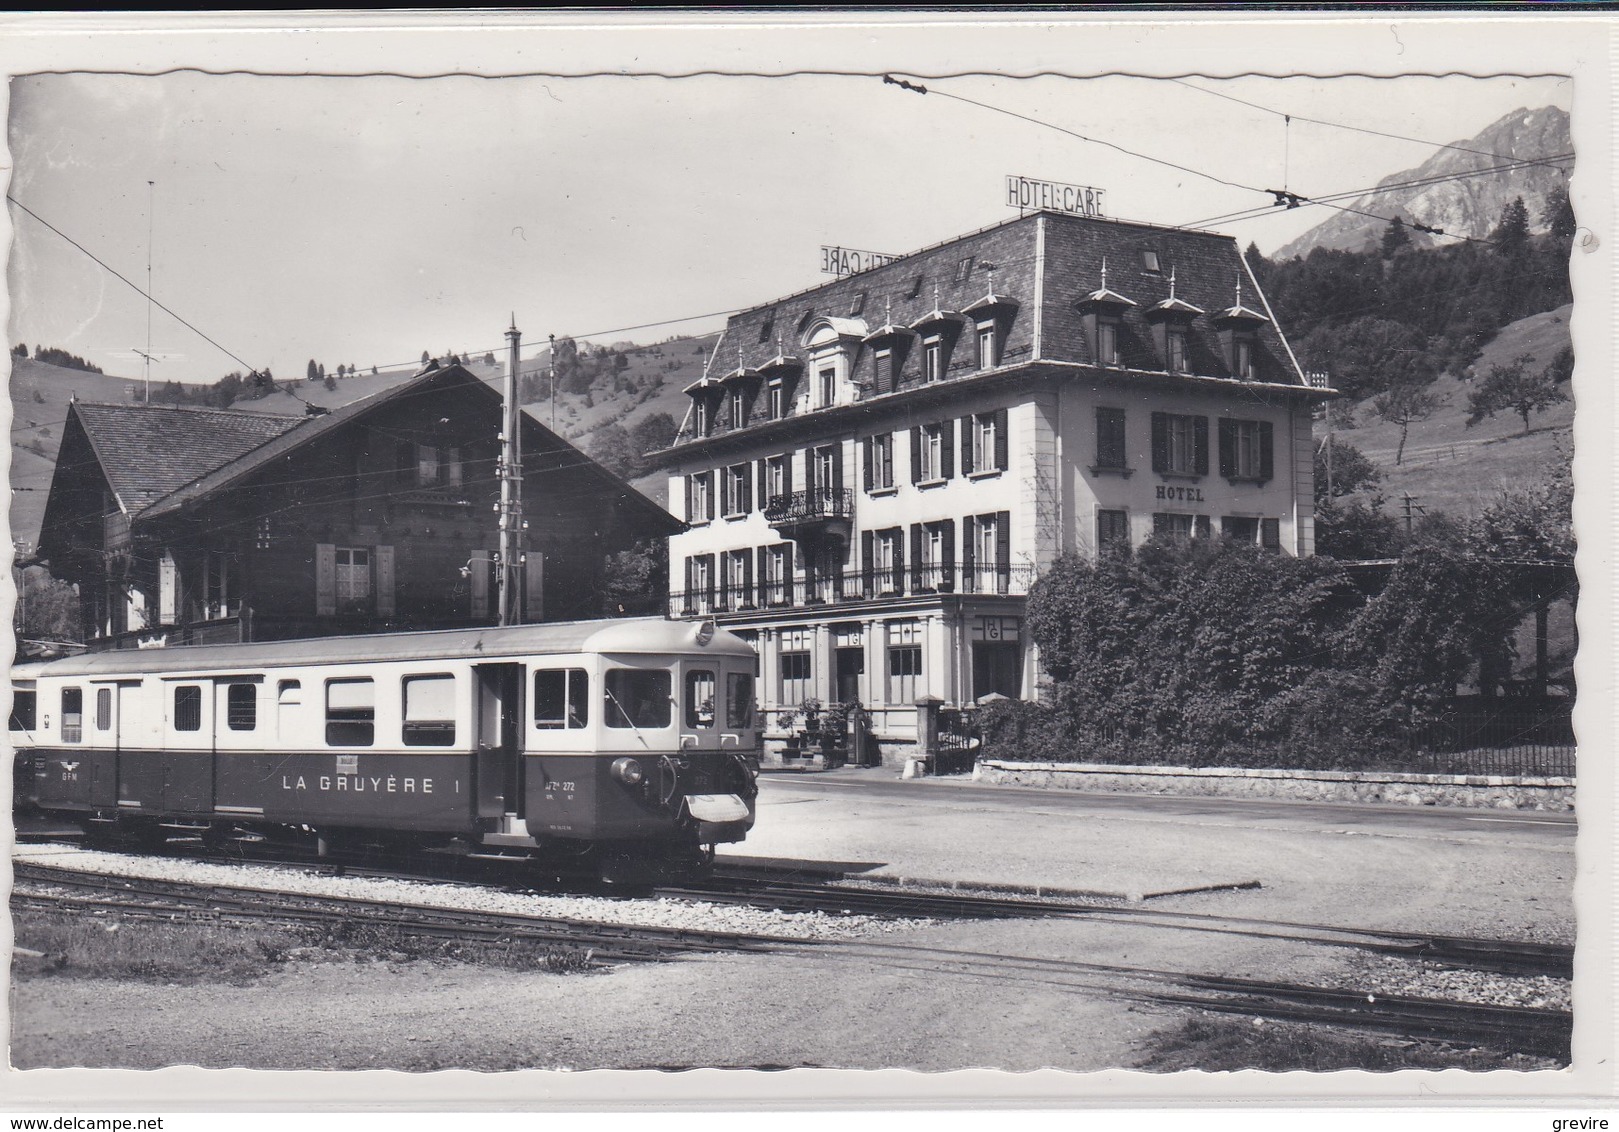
{"x":628,"y":771}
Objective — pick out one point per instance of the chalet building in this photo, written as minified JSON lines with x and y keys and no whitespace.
{"x":873,"y":472}
{"x":194,"y":526}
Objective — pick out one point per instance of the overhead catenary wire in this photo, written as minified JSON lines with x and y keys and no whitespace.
{"x":1290,"y":116}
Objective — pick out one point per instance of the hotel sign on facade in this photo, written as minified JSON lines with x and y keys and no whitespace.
{"x":851,"y":261}
{"x":1029,"y":194}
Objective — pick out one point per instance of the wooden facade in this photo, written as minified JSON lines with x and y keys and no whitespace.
{"x":379,"y":516}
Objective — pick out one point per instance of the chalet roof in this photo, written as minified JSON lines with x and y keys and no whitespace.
{"x":148,"y":451}
{"x":443,"y":377}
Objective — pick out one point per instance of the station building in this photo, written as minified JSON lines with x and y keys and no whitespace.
{"x":874,"y":471}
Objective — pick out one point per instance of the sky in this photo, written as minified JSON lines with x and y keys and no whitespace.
{"x":363,"y":220}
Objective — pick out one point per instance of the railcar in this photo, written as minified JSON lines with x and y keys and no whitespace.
{"x":629,"y":742}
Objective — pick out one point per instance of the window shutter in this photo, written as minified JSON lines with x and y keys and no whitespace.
{"x":865,"y":460}
{"x":533,"y":586}
{"x":708,"y":589}
{"x":897,"y":579}
{"x":916,"y":557}
{"x":868,"y":558}
{"x":690,"y":492}
{"x":968,"y":465}
{"x":809,"y":472}
{"x":325,"y":579}
{"x":763,"y":574}
{"x":168,"y":589}
{"x":947,"y":451}
{"x":746,"y":561}
{"x":1003,"y":550}
{"x":385,"y":581}
{"x":837,"y":467}
{"x":1001,"y":440}
{"x":1270,"y":534}
{"x":747,"y":488}
{"x":947,"y":551}
{"x":1228,"y":444}
{"x":1204,"y":526}
{"x":1160,"y":442}
{"x":1200,"y":435}
{"x":764,"y":484}
{"x":480,"y":583}
{"x":916,"y":454}
{"x":789,"y":566}
{"x":1267,"y":464}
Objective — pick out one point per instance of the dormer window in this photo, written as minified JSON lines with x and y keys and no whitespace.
{"x":1242,"y":356}
{"x":964,"y":269}
{"x":858,"y":306}
{"x":700,"y":421}
{"x":933,"y":358}
{"x":778,"y":401}
{"x":1107,"y":341}
{"x":1175,"y":338}
{"x":1239,"y":337}
{"x":831,"y":343}
{"x":739,"y":408}
{"x":1149,"y":261}
{"x":989,"y":347}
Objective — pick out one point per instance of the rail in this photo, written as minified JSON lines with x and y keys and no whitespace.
{"x":812,"y":505}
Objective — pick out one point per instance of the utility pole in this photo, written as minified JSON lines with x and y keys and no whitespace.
{"x":1412,"y":507}
{"x":151,"y":198}
{"x":553,"y":383}
{"x":510,"y":578}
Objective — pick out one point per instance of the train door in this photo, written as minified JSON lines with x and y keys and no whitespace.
{"x":498,"y":767}
{"x":188,"y":745}
{"x":109,"y":704}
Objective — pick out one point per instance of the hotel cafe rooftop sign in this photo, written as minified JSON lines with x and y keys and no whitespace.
{"x":851,"y":261}
{"x":1030,"y":195}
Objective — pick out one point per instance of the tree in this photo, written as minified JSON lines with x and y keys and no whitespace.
{"x":1558,"y":213}
{"x":20,"y":350}
{"x":1534,"y":520}
{"x":1395,"y":238}
{"x":1511,"y":235}
{"x":1342,"y":469}
{"x":331,"y":383}
{"x":1516,"y":387}
{"x":47,"y":609}
{"x":1404,"y":405}
{"x":311,"y":372}
{"x":610,"y":447}
{"x":651,"y":433}
{"x":426,"y":357}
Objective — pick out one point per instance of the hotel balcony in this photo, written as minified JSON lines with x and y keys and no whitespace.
{"x":848,"y":587}
{"x":812,"y":515}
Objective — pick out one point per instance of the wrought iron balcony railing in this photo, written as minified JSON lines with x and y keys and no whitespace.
{"x":847,"y":586}
{"x":823,"y":503}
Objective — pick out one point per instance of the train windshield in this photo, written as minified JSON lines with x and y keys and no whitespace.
{"x":739,"y":700}
{"x":638,"y":697}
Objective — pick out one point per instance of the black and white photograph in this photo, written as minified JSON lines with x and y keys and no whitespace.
{"x":1066,"y":554}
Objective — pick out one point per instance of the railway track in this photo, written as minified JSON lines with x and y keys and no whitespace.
{"x":171,"y":900}
{"x":1511,"y":957}
{"x":1538,"y":1031}
{"x":789,"y":891}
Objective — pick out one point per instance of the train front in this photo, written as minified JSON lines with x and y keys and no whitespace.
{"x":676,"y":755}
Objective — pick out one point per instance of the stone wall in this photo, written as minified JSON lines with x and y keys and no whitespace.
{"x":1475,"y":791}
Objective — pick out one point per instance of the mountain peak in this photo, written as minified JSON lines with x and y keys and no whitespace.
{"x":1444,"y":197}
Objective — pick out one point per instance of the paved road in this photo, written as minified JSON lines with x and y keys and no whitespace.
{"x":1468,"y":871}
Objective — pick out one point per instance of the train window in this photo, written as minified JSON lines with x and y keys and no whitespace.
{"x":638,"y":697}
{"x":739,"y":699}
{"x":351,"y":712}
{"x":700,"y":689}
{"x":188,"y":707}
{"x":24,"y":710}
{"x":242,"y":707}
{"x":561,"y":698}
{"x":429,"y":711}
{"x":72,"y":715}
{"x":103,"y":709}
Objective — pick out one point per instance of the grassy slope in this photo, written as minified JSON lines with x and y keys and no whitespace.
{"x":1450,"y":467}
